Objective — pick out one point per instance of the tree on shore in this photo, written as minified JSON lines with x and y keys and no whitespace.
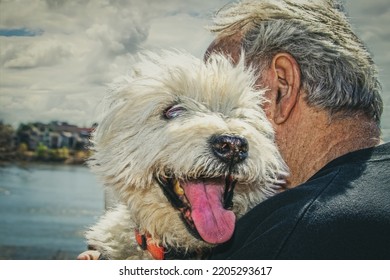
{"x":6,"y":143}
{"x":42,"y":151}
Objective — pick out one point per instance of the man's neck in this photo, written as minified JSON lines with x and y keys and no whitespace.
{"x":312,"y":142}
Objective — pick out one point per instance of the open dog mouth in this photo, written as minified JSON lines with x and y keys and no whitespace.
{"x":205,"y":205}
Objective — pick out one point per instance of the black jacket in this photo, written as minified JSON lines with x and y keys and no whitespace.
{"x":342,"y":212}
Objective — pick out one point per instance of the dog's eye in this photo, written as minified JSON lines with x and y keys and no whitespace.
{"x":174,"y":111}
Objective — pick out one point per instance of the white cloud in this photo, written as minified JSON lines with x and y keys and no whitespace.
{"x":179,"y":31}
{"x":33,"y":53}
{"x":84,"y":45}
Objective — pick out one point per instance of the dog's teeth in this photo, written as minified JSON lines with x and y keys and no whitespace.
{"x":178,"y":189}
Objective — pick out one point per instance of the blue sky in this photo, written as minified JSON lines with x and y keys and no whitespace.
{"x":57,"y":57}
{"x":22,"y":32}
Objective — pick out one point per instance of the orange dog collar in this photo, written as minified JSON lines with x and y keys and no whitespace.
{"x":145,"y":242}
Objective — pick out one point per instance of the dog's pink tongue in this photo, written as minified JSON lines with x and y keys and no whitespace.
{"x":214,"y":223}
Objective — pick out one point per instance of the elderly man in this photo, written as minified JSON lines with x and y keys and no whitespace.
{"x":325,"y":107}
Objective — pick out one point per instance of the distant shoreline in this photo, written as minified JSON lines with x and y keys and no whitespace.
{"x":4,"y":161}
{"x":25,"y":157}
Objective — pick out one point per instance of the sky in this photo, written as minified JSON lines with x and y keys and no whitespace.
{"x":57,"y":57}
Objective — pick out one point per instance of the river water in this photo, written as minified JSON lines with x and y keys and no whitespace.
{"x":45,"y":209}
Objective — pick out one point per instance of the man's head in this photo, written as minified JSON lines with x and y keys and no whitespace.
{"x":337,"y":72}
{"x":314,"y":66}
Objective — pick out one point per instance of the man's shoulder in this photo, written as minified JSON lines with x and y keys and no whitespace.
{"x":350,"y":215}
{"x":353,"y":186}
{"x":359,"y":180}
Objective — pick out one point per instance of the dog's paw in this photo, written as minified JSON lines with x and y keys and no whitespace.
{"x":89,"y":255}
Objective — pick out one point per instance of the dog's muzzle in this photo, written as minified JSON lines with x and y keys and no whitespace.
{"x":205,"y":203}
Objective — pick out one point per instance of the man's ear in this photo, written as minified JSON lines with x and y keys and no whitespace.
{"x":286,"y":85}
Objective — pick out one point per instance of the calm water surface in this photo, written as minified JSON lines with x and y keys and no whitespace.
{"x":44,"y":210}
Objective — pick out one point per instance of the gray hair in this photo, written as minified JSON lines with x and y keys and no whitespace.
{"x":337,"y":70}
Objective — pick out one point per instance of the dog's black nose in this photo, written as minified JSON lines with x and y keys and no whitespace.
{"x":229,"y":148}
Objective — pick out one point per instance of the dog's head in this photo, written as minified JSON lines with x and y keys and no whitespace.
{"x":187,"y":146}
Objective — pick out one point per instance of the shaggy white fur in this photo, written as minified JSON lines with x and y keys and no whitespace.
{"x":157,"y":125}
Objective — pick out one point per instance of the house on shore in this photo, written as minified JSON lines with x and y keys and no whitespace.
{"x":53,"y":135}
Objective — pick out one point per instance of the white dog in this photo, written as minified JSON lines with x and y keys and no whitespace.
{"x":188,"y":149}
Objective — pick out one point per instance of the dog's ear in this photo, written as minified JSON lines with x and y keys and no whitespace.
{"x":285,"y":86}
